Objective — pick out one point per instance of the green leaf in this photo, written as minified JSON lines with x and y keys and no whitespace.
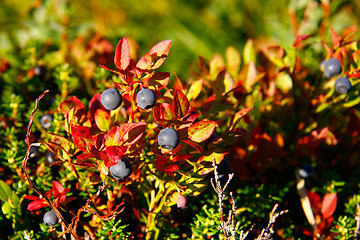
{"x":233,"y":59}
{"x":6,"y":209}
{"x":249,"y":52}
{"x":5,"y":191}
{"x":102,"y":120}
{"x":223,"y":84}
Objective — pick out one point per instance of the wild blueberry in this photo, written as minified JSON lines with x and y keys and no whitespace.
{"x":46,"y":120}
{"x":223,"y":169}
{"x":168,"y":138}
{"x":50,"y":218}
{"x":34,"y":152}
{"x":306,"y":171}
{"x":332,"y":67}
{"x":39,"y":71}
{"x":181,"y":201}
{"x":342,"y":85}
{"x":146,"y":98}
{"x":111,"y":99}
{"x":122,"y":169}
{"x":50,"y":157}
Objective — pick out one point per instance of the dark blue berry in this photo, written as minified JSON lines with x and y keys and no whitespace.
{"x":50,"y":157}
{"x":146,"y":98}
{"x":46,"y":120}
{"x":122,"y":169}
{"x":223,"y":169}
{"x":332,"y":67}
{"x":111,"y":99}
{"x":50,"y":218}
{"x":39,"y":71}
{"x":306,"y":171}
{"x":342,"y":85}
{"x":168,"y":138}
{"x":34,"y":152}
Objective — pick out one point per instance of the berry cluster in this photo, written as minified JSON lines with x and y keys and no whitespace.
{"x":332,"y":68}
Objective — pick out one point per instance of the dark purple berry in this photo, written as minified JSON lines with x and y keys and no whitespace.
{"x":181,"y":201}
{"x":122,"y":169}
{"x":332,"y":67}
{"x":168,"y":138}
{"x":146,"y":98}
{"x":50,"y":218}
{"x":306,"y":171}
{"x":46,"y":120}
{"x":111,"y":99}
{"x":342,"y":85}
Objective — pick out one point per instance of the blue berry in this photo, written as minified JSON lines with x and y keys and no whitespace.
{"x":34,"y":152}
{"x":146,"y":98}
{"x":50,"y":157}
{"x":168,"y":138}
{"x":46,"y":120}
{"x":306,"y":171}
{"x":342,"y":85}
{"x":111,"y":99}
{"x":332,"y":67}
{"x":122,"y":169}
{"x":39,"y":71}
{"x":50,"y":218}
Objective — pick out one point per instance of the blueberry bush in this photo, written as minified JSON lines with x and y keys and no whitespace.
{"x":104,"y":137}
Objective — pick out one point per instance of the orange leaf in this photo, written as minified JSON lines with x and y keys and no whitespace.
{"x":161,"y":50}
{"x":102,"y":120}
{"x":328,"y":205}
{"x":132,"y":132}
{"x":195,"y":89}
{"x":223,"y":84}
{"x":158,"y":81}
{"x":122,"y":54}
{"x":336,"y":39}
{"x":112,"y":137}
{"x":180,"y":104}
{"x":238,"y":116}
{"x":201,"y":131}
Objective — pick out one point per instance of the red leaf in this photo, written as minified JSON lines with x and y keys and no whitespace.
{"x":180,"y":104}
{"x":37,"y":204}
{"x":171,"y":169}
{"x":114,"y":154}
{"x":238,"y":116}
{"x":72,"y":102}
{"x":32,"y":198}
{"x":57,"y":187}
{"x":298,"y":41}
{"x":161,"y":50}
{"x":327,"y":48}
{"x":145,"y":62}
{"x":102,"y":119}
{"x":95,"y":104}
{"x":132,"y":132}
{"x":122,"y":54}
{"x":328,"y":205}
{"x":336,"y":39}
{"x":112,"y":137}
{"x":109,"y":69}
{"x":193,"y":144}
{"x":81,"y":136}
{"x":202,"y":130}
{"x":315,"y":201}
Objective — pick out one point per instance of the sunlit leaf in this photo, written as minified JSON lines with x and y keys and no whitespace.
{"x":114,"y":154}
{"x":122,"y":54}
{"x":132,"y":132}
{"x":113,"y":137}
{"x":233,"y":59}
{"x":249,"y":52}
{"x":180,"y":104}
{"x":238,"y":116}
{"x":328,"y":205}
{"x":202,"y":130}
{"x":223,"y":84}
{"x":102,"y":119}
{"x":158,"y":81}
{"x":195,"y":89}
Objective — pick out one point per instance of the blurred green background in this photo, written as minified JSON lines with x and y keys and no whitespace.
{"x":196,"y":27}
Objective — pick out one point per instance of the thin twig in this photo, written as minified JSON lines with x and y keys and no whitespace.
{"x":24,"y":165}
{"x":266,"y":234}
